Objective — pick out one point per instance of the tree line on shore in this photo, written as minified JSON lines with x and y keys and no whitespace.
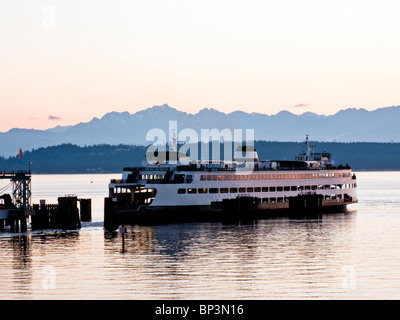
{"x":105,"y":158}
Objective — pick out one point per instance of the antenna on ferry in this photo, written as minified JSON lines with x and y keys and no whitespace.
{"x":308,"y":148}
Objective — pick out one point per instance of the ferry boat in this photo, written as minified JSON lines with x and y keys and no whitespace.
{"x":197,"y":190}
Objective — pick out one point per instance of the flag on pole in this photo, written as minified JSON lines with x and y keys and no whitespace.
{"x":20,"y":153}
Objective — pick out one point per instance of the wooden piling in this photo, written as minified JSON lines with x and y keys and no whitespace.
{"x":24,"y":224}
{"x":68,"y":213}
{"x":86,"y":209}
{"x":111,"y":217}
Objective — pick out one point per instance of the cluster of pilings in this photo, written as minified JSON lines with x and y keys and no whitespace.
{"x":16,"y":218}
{"x":240,"y":210}
{"x":18,"y":221}
{"x":64,"y":215}
{"x":306,"y":206}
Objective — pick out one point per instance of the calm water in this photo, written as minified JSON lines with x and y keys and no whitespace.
{"x":344,"y":256}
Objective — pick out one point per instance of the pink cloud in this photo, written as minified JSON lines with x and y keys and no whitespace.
{"x":301,"y":105}
{"x":54,"y":118}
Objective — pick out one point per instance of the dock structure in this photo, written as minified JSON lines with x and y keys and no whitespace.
{"x":63,"y":215}
{"x":15,"y":208}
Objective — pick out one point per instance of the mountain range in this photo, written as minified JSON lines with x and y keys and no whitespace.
{"x":349,"y":125}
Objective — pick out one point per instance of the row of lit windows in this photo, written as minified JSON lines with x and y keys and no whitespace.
{"x":265,"y":189}
{"x":224,"y":177}
{"x":151,"y":177}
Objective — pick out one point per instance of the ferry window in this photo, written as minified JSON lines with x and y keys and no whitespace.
{"x":209,"y":178}
{"x":286,"y":188}
{"x":179,"y":178}
{"x":300,"y":188}
{"x":272,"y":200}
{"x":233,"y":190}
{"x":279,"y":199}
{"x":224,"y":177}
{"x":279,"y":189}
{"x":202,"y":177}
{"x":213,"y":190}
{"x":242,"y":190}
{"x":264,"y":177}
{"x":250,"y":189}
{"x":272,"y":189}
{"x":202,"y":190}
{"x":293,"y":188}
{"x":189,"y":178}
{"x":214,"y":178}
{"x":313,"y":187}
{"x":327,"y":187}
{"x":265,"y":200}
{"x":254,"y":177}
{"x":229,"y":177}
{"x":307,"y":188}
{"x":257,"y":189}
{"x":223,"y":190}
{"x":264,"y":189}
{"x":192,"y":190}
{"x":181,"y":191}
{"x":219,"y":177}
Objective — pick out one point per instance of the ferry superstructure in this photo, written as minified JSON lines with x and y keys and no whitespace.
{"x":201,"y":186}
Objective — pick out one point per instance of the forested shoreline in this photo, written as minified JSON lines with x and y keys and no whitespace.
{"x":104,"y":158}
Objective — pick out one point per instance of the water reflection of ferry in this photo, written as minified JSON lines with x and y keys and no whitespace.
{"x":196,"y":189}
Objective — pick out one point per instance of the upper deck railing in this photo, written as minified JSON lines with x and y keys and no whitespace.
{"x":237,"y":169}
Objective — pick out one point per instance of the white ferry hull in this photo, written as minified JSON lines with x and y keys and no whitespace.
{"x":188,"y":201}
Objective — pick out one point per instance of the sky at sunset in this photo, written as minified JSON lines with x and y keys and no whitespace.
{"x":65,"y":62}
